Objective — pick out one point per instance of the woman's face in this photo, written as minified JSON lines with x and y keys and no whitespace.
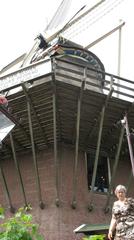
{"x":121,"y":195}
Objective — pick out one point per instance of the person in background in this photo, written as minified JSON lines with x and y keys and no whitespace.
{"x":3,"y":101}
{"x":122,"y":222}
{"x":100,"y":184}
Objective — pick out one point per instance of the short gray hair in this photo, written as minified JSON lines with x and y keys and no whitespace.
{"x":120,"y":187}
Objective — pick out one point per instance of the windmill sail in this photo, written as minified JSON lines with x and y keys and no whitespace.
{"x":60,"y":23}
{"x":60,"y":16}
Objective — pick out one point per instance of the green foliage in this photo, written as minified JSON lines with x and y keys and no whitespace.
{"x":2,"y":211}
{"x":19,"y":227}
{"x":95,"y":237}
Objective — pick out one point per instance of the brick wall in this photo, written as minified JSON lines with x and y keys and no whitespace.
{"x":58,"y":223}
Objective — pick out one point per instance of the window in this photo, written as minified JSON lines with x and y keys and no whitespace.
{"x":102,"y":175}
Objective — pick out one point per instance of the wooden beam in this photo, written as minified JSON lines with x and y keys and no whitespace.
{"x":90,"y":207}
{"x":56,"y":160}
{"x":35,"y":113}
{"x":107,"y":207}
{"x":41,"y":204}
{"x":18,"y":169}
{"x":6,"y":191}
{"x":129,"y":181}
{"x":74,"y":203}
{"x":125,"y":124}
{"x":89,"y":136}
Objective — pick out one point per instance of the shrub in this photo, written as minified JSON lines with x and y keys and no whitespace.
{"x":95,"y":237}
{"x":19,"y":227}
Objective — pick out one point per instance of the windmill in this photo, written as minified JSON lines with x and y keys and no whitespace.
{"x":52,"y":42}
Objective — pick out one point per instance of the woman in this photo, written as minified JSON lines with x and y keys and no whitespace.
{"x":122,"y":222}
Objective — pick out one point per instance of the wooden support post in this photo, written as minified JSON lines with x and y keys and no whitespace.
{"x":74,"y":203}
{"x":119,"y":59}
{"x":42,"y":130}
{"x":12,"y":209}
{"x":109,"y":170}
{"x":125,"y":123}
{"x":90,"y":206}
{"x":56,"y":160}
{"x":18,"y":169}
{"x":41,"y":204}
{"x":107,"y":207}
{"x":86,"y":166}
{"x":129,"y":181}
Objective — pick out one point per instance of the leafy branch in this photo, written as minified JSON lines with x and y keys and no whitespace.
{"x":19,"y":227}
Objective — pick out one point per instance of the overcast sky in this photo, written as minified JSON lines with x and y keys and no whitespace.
{"x":21,"y":21}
